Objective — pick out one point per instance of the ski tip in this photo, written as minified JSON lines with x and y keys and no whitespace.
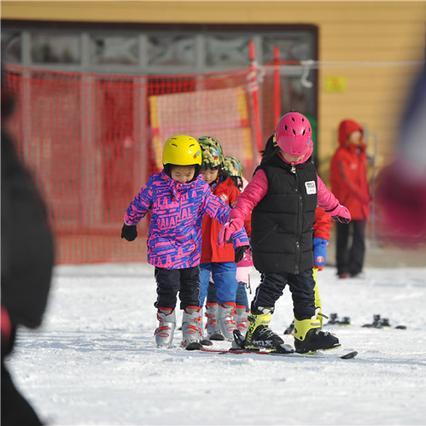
{"x":285,"y":349}
{"x":349,"y":355}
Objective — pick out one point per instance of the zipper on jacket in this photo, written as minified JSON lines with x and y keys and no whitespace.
{"x":299,"y":222}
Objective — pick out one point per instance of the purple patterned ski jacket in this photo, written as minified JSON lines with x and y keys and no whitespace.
{"x":177,"y":209}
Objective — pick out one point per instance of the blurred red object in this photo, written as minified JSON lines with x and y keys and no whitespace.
{"x":401,"y":190}
{"x":401,"y":198}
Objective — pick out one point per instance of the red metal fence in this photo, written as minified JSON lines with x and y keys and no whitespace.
{"x":93,"y":139}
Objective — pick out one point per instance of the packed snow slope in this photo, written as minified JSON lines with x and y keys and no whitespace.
{"x":94,"y":362}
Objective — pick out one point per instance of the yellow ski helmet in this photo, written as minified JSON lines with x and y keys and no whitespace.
{"x":182,"y":150}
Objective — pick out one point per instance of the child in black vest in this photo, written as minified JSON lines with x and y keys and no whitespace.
{"x":282,"y":196}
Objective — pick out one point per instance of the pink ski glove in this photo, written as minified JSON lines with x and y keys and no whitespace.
{"x":228,"y":229}
{"x":340,"y":214}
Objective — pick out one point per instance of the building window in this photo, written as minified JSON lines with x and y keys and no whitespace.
{"x":12,"y":43}
{"x":109,"y":50}
{"x":293,"y":46}
{"x":227,"y":50}
{"x":171,"y":50}
{"x":55,"y":48}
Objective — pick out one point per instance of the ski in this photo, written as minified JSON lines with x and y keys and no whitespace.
{"x":287,"y":350}
{"x":350,"y":354}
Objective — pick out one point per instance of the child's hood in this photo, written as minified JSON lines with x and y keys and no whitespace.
{"x":346,"y":127}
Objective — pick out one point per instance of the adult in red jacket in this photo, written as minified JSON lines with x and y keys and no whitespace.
{"x":349,"y":184}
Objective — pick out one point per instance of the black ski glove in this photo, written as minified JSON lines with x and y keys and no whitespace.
{"x":239,"y":252}
{"x":129,"y":232}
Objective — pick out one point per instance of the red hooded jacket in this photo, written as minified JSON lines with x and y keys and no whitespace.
{"x":211,"y":251}
{"x":349,"y":172}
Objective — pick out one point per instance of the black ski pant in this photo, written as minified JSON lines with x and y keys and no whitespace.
{"x":171,"y":281}
{"x":15,"y":410}
{"x":301,"y":287}
{"x":350,"y":255}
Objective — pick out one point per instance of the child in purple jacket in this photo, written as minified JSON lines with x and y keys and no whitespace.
{"x":177,"y":199}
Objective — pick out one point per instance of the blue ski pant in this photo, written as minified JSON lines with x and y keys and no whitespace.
{"x":241,"y":298}
{"x":224,"y":278}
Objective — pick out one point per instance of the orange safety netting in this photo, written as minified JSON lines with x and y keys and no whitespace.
{"x":93,"y":139}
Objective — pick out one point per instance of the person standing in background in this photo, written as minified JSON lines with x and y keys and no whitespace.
{"x":349,"y":183}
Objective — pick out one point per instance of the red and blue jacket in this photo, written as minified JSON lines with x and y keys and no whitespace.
{"x":226,"y":190}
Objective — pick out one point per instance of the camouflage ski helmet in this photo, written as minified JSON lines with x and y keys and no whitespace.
{"x":233,"y":167}
{"x":211,"y":151}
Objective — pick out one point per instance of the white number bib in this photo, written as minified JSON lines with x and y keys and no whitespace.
{"x":311,"y":187}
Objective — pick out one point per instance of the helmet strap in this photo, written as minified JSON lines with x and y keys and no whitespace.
{"x":167,"y":170}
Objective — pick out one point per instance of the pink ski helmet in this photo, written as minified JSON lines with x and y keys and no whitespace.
{"x":293,"y":135}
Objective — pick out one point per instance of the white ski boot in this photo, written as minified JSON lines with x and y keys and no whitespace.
{"x":241,"y":319}
{"x":166,"y":327}
{"x":212,"y":326}
{"x":226,"y":320}
{"x":205,"y":341}
{"x":191,"y":328}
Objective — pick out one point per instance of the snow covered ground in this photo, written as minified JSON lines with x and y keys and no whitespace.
{"x":94,"y":362}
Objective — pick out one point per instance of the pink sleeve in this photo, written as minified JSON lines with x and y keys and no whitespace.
{"x":326,"y":198}
{"x":251,"y":196}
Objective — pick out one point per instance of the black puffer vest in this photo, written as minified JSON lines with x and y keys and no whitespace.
{"x":282,"y":222}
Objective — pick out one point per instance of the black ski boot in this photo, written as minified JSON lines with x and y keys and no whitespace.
{"x":309,"y":337}
{"x":260,"y":336}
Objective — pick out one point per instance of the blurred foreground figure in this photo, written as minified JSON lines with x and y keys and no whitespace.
{"x":401,"y":190}
{"x":26,"y":265}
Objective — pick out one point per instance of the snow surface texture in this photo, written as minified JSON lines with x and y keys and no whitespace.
{"x":94,"y":362}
